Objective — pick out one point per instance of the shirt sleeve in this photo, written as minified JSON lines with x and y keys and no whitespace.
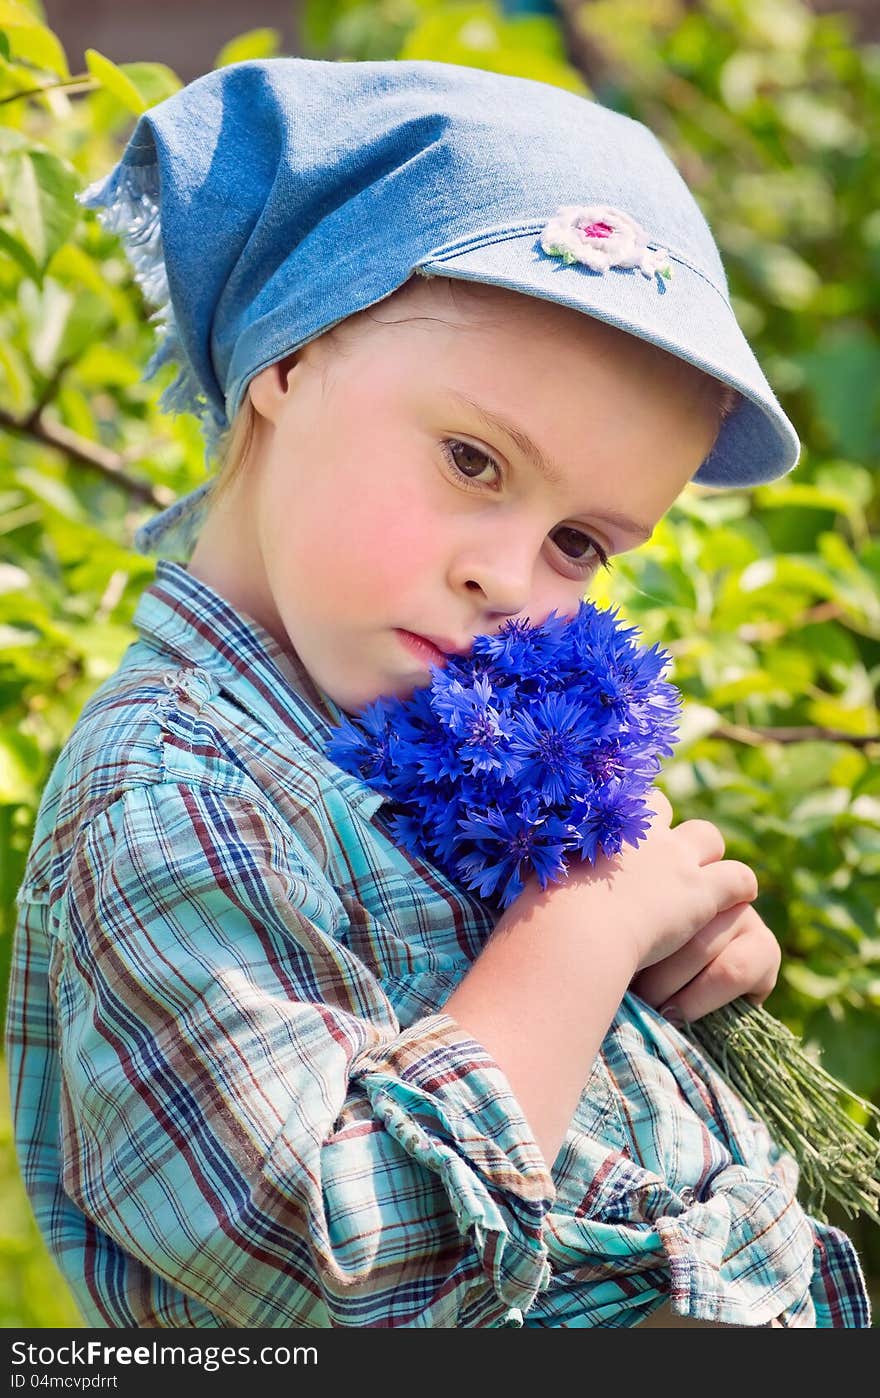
{"x":240,"y":1109}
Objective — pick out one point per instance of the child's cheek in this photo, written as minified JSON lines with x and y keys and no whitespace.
{"x":396,"y":536}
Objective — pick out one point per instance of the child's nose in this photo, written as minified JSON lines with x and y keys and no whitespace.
{"x":498,"y":571}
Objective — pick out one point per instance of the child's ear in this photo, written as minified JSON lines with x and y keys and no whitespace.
{"x":269,"y":389}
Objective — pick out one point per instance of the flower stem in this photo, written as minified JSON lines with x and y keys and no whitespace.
{"x":805,"y":1109}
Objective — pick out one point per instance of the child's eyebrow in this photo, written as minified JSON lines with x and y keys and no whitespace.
{"x":537,"y":458}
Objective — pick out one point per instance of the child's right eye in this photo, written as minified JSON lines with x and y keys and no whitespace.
{"x":473,"y":462}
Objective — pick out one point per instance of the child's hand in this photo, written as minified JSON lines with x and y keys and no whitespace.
{"x":734,"y":954}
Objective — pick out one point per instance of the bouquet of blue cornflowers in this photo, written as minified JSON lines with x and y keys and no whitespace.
{"x":538,"y":749}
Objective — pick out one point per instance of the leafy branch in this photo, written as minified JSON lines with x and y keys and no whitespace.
{"x":82,"y":83}
{"x":737,"y":733}
{"x":111,"y":464}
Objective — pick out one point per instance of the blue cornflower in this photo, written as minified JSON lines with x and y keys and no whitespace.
{"x":442,"y":830}
{"x":522,"y":838}
{"x":479,"y":726}
{"x":537,"y":748}
{"x":655,"y":713}
{"x":613,"y":815}
{"x":407,"y":829}
{"x":608,"y":759}
{"x":368,"y":750}
{"x":550,"y":741}
{"x":438,"y":758}
{"x":456,"y":705}
{"x":514,"y":649}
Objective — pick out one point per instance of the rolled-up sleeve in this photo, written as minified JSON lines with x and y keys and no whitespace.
{"x":242,"y":1112}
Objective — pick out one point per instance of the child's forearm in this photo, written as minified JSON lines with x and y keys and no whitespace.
{"x":540,"y":998}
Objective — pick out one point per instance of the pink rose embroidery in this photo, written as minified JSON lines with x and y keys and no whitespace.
{"x":601,"y":237}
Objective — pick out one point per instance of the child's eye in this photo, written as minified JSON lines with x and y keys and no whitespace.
{"x":579,"y":547}
{"x":469,"y":463}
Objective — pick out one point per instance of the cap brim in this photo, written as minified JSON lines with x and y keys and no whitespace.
{"x":687,"y":317}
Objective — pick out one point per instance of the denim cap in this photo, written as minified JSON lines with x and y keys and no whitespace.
{"x":267,"y":201}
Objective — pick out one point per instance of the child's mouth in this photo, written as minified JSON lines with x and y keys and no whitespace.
{"x":422,"y":648}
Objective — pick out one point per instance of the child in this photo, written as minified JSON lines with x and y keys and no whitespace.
{"x":473,"y":336}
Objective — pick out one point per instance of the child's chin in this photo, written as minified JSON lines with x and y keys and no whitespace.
{"x":405,"y":689}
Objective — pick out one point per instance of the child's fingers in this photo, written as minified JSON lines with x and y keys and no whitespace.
{"x":745,"y":961}
{"x":725,"y":978}
{"x":658,"y":983}
{"x":747,"y":966}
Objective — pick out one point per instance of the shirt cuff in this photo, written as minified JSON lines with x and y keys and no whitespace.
{"x":447,"y":1102}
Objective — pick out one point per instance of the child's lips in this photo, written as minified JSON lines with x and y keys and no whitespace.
{"x":434,"y":650}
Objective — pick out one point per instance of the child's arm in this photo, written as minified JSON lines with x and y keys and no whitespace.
{"x":545,"y":988}
{"x":241,"y":1111}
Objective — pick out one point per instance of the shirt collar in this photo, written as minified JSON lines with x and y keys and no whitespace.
{"x":181,"y":615}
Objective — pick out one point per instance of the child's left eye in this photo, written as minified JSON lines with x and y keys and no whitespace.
{"x":578,"y":546}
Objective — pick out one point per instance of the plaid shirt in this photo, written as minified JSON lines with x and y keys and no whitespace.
{"x":238,"y":1101}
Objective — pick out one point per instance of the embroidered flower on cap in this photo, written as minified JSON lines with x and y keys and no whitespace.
{"x":601,"y":237}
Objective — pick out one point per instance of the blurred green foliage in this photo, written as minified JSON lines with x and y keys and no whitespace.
{"x":768,"y":599}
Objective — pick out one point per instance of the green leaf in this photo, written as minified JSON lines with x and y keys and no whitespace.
{"x":813,"y":497}
{"x":858,"y":719}
{"x":868,"y":782}
{"x":255,"y":43}
{"x":15,"y":249}
{"x":818,"y":123}
{"x":867,"y":808}
{"x":665,"y":584}
{"x":833,"y":649}
{"x":786,"y":278}
{"x":75,"y":411}
{"x":819,"y":809}
{"x":104,"y":367}
{"x":45,"y":313}
{"x":478,"y":36}
{"x":11,"y":637}
{"x":41,"y":201}
{"x":843,"y":372}
{"x":21,"y":763}
{"x":154,"y":81}
{"x":12,"y":140}
{"x":810,"y":983}
{"x":695,"y":722}
{"x":12,"y":579}
{"x":850,"y":1044}
{"x":727,"y":548}
{"x":87,"y":317}
{"x":52,"y":492}
{"x":802,"y":767}
{"x":772,"y":588}
{"x":15,"y":377}
{"x":26,"y":38}
{"x":115,"y":81}
{"x":855,"y":483}
{"x":14,"y":15}
{"x":73,"y":266}
{"x":101,"y":647}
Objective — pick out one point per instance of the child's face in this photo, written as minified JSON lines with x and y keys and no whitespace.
{"x":351,"y":530}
